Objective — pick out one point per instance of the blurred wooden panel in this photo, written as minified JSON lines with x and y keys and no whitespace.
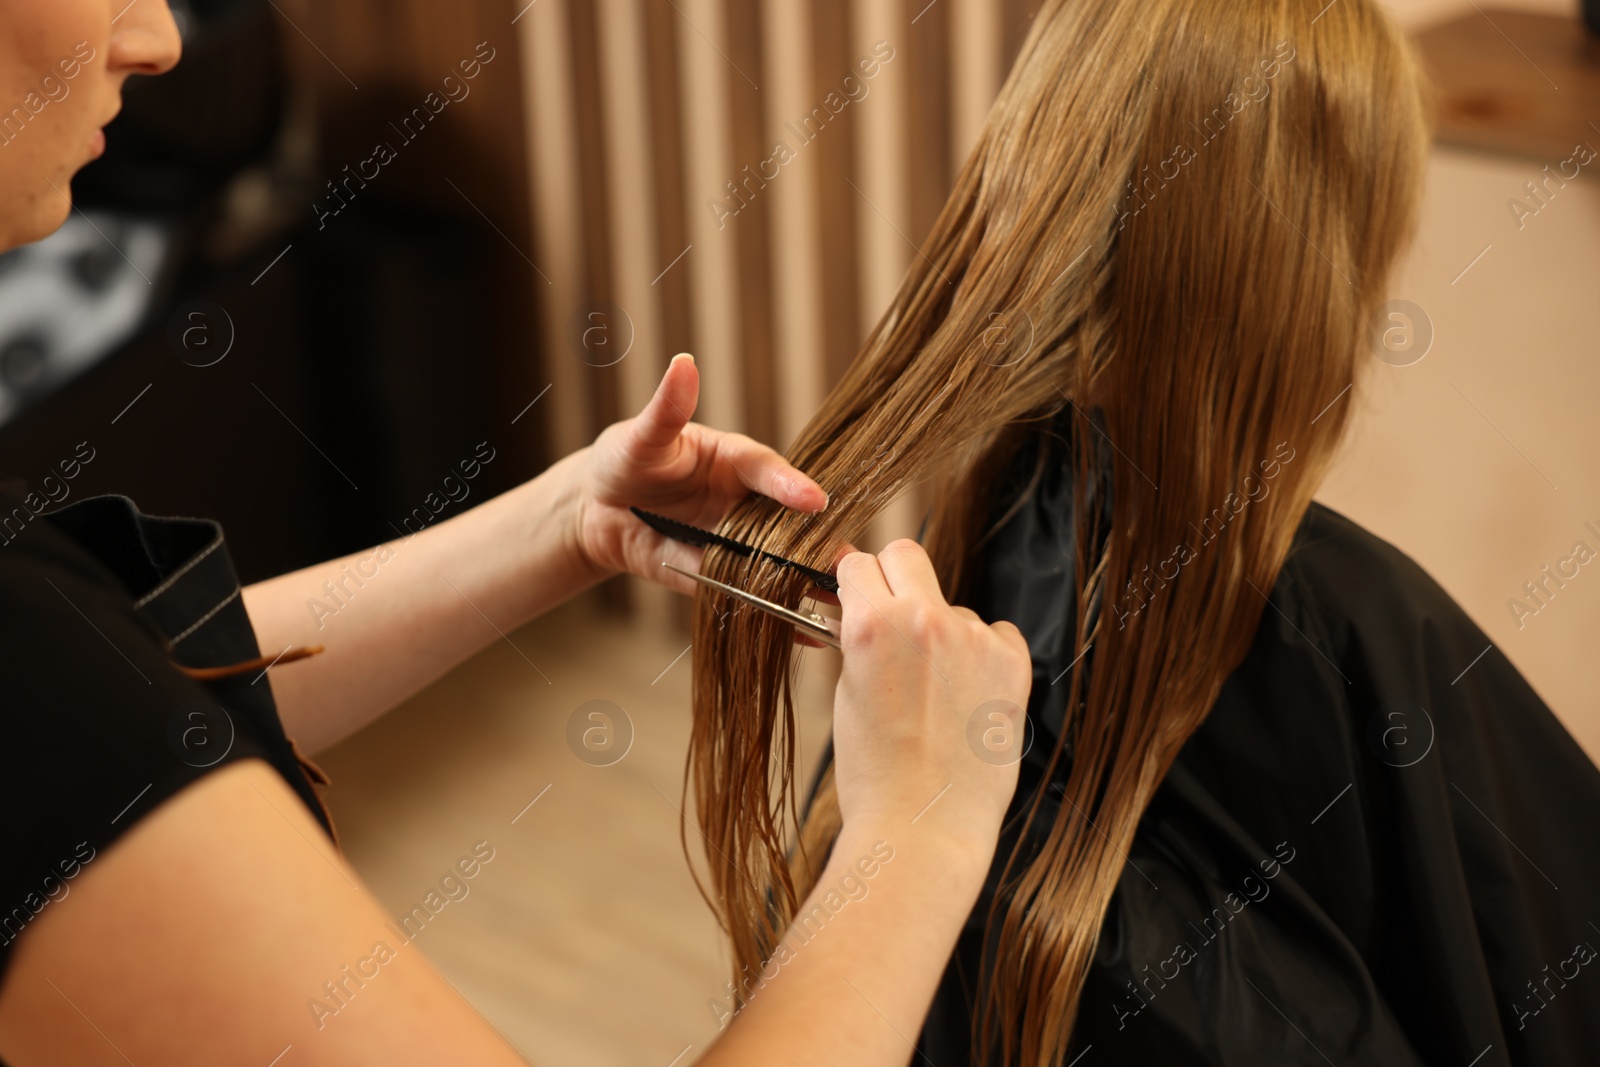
{"x":797,"y":297}
{"x":976,"y":70}
{"x":598,"y":296}
{"x":1016,"y":18}
{"x":749,"y":170}
{"x":837,"y":211}
{"x":714,"y":262}
{"x":669,"y":173}
{"x":928,"y":125}
{"x":559,"y":242}
{"x":1515,"y":82}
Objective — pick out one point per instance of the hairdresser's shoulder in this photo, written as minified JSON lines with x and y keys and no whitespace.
{"x":1354,"y":580}
{"x":40,"y":567}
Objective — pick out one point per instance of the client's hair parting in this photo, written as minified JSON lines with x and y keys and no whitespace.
{"x":1193,"y":207}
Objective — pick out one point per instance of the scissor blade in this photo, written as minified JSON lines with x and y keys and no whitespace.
{"x":806,"y":625}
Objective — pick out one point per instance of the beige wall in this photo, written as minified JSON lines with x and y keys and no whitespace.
{"x":1482,"y":461}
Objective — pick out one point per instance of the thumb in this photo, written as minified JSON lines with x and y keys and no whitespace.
{"x":672,"y":406}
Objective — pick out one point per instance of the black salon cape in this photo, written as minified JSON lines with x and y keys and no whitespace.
{"x":1431,"y":832}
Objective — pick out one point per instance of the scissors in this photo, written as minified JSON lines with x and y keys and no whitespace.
{"x":813,"y":625}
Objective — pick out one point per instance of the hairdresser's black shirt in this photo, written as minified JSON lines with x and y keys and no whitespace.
{"x":99,"y":604}
{"x":1380,"y":848}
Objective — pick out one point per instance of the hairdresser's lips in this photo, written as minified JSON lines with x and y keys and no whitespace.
{"x":97,"y":143}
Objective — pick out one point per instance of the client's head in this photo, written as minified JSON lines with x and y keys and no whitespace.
{"x":1178,"y":219}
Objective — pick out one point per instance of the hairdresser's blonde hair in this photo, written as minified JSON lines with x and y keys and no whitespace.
{"x":1193,"y":206}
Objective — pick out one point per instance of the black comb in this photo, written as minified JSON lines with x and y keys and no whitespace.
{"x":694,"y":535}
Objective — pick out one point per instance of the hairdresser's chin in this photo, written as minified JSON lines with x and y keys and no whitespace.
{"x":62,"y":68}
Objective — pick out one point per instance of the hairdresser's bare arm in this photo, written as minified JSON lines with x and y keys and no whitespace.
{"x":854,"y":987}
{"x":208,"y":932}
{"x":205,"y":933}
{"x":214,"y":929}
{"x":853,"y":978}
{"x":425,"y":604}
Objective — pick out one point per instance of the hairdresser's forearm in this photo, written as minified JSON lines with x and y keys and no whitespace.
{"x":855,"y":987}
{"x":397,"y":618}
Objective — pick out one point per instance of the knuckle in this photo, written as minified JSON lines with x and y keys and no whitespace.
{"x":865,"y":631}
{"x":926,"y":623}
{"x":851,"y":564}
{"x":1010,"y":647}
{"x":1010,"y":637}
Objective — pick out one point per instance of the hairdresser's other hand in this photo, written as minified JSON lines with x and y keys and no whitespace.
{"x":660,"y":461}
{"x":928,"y":716}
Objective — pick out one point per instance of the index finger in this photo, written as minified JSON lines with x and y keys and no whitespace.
{"x":909,"y":571}
{"x":822,"y":594}
{"x":861,"y":583}
{"x":760,"y":469}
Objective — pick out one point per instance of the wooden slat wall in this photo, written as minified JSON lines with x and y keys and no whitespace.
{"x":837,"y":210}
{"x":753,"y":229}
{"x":781,"y":274}
{"x":928,"y":128}
{"x":594,"y":267}
{"x":670,"y":179}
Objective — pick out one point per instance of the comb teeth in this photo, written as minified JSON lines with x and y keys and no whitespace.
{"x":694,"y":535}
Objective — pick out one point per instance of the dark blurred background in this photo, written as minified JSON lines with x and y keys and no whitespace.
{"x":227,"y":351}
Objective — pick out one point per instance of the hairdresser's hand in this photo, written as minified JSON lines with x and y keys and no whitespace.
{"x":662,"y":462}
{"x":928,"y":716}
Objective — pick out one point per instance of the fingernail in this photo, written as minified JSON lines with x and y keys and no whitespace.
{"x":682,"y":355}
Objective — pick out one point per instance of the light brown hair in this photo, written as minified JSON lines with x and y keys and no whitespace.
{"x":1182,"y":215}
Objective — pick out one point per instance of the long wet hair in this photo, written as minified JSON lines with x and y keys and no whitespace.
{"x":1178,"y":222}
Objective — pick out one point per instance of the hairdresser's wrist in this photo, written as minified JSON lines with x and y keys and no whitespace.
{"x":545,"y":516}
{"x":956,"y":864}
{"x":574,"y":475}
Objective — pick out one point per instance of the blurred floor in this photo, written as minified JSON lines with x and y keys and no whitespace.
{"x":584,"y":940}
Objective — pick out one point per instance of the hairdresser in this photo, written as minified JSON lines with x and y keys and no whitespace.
{"x":162,"y":906}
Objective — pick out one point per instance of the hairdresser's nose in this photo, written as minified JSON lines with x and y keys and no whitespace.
{"x":144,"y":39}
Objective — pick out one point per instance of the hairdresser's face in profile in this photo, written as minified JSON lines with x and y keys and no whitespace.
{"x":62,"y":66}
